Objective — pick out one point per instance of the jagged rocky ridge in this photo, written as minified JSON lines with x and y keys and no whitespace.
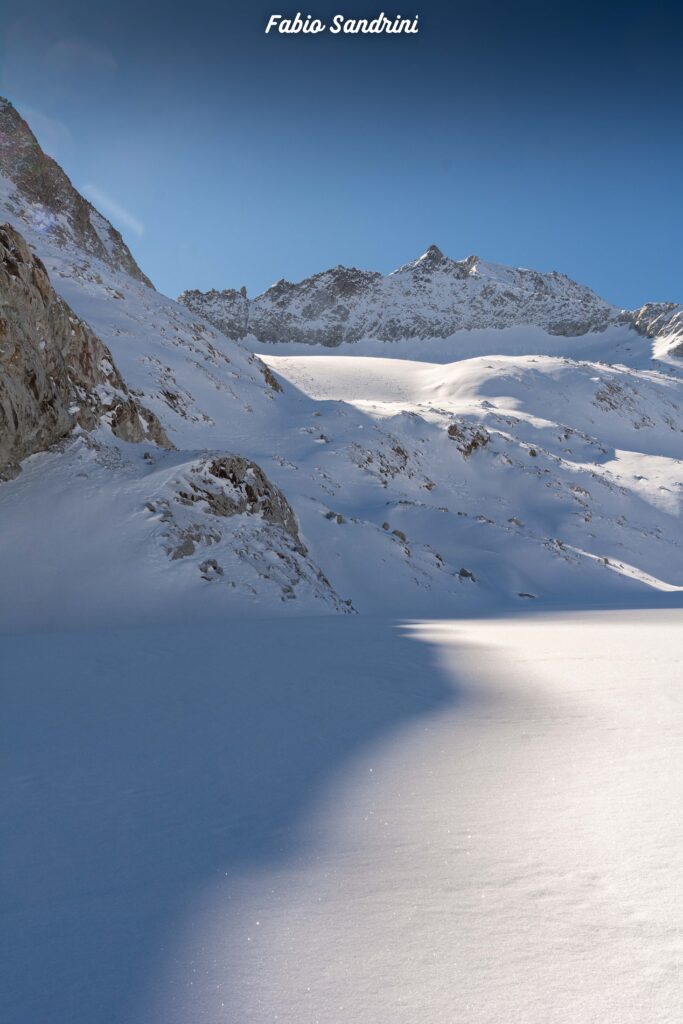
{"x":431,"y":297}
{"x":434,"y":296}
{"x":47,"y":199}
{"x":662,"y":321}
{"x":55,"y":373}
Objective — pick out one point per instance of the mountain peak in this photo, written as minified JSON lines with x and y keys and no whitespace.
{"x":44,"y":193}
{"x":433,"y":254}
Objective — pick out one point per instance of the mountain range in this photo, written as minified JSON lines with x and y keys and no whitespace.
{"x":431,"y":297}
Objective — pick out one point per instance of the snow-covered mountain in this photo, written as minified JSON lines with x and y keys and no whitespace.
{"x":135,"y":530}
{"x":42,"y":193}
{"x":663,"y":322}
{"x":535,"y":456}
{"x":431,"y":297}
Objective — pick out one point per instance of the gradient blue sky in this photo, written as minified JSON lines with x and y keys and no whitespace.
{"x":528,"y":133}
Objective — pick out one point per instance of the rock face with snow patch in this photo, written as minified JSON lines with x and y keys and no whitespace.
{"x":661,"y":320}
{"x":227,"y":310}
{"x":222,"y":514}
{"x":433,"y":296}
{"x":229,"y":485}
{"x":46,"y":196}
{"x":54,"y":371}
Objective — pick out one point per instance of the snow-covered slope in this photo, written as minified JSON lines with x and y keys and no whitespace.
{"x":119,"y":541}
{"x":488,"y":470}
{"x":432,"y":297}
{"x":513,"y":468}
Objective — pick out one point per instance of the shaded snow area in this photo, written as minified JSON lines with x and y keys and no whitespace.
{"x":464,"y":821}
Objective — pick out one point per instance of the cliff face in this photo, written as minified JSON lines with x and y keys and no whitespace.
{"x":55,"y":374}
{"x":47,"y":195}
{"x":661,"y":321}
{"x":227,"y":310}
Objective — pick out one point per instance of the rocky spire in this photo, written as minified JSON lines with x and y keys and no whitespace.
{"x":433,"y":254}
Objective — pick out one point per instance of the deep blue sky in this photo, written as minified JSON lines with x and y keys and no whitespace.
{"x":526,"y":133}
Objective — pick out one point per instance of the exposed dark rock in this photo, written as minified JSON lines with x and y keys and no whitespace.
{"x":468,"y":438}
{"x":55,"y":373}
{"x":230,"y":485}
{"x":271,"y":379}
{"x":660,"y":320}
{"x":227,"y":310}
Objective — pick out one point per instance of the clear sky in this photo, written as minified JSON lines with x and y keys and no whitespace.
{"x":537,"y":134}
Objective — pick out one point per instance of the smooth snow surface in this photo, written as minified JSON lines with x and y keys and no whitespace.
{"x":456,"y":821}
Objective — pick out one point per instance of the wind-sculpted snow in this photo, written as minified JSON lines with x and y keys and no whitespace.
{"x":432,"y":297}
{"x":212,"y":819}
{"x":344,"y":820}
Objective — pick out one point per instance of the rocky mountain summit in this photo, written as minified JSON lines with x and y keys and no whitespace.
{"x":55,"y":373}
{"x":45,"y":198}
{"x":431,"y":297}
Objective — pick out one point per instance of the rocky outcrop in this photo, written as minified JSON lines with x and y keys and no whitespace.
{"x":45,"y":194}
{"x":661,"y":320}
{"x":55,"y":373}
{"x":230,"y":485}
{"x":222,"y":515}
{"x":227,"y":310}
{"x":433,"y":296}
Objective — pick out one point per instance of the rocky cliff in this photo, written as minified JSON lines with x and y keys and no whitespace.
{"x":55,"y":373}
{"x":663,"y":321}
